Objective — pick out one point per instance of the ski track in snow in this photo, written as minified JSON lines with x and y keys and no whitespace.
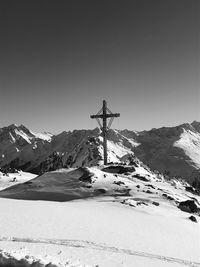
{"x":95,"y":246}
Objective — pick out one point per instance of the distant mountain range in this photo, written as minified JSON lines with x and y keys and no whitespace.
{"x":174,"y":151}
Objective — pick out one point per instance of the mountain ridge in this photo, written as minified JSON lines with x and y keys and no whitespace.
{"x":174,"y":151}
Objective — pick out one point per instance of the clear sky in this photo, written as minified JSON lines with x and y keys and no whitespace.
{"x":60,"y":59}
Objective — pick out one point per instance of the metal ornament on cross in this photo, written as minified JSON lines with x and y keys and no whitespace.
{"x":104,"y":114}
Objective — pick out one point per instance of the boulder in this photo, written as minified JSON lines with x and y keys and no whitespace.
{"x":101,"y":190}
{"x":142,"y":178}
{"x":119,"y":183}
{"x":188,"y":206}
{"x":155,"y":203}
{"x":119,"y":169}
{"x":193,"y":219}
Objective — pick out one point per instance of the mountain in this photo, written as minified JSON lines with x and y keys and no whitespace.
{"x":21,"y":148}
{"x":174,"y":151}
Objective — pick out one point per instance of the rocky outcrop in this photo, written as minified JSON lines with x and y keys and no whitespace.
{"x":52,"y":163}
{"x":193,"y":219}
{"x":188,"y":206}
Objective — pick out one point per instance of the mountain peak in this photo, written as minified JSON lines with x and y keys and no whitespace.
{"x":15,"y":126}
{"x":196,"y":125}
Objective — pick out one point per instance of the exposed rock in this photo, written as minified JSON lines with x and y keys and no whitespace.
{"x":149,"y":192}
{"x":141,"y":203}
{"x":150,"y":185}
{"x":168,"y":197}
{"x":86,"y":176}
{"x":119,"y":183}
{"x":188,"y":206}
{"x":123,"y":192}
{"x":118,"y":169}
{"x":192,"y":190}
{"x":127,"y":202}
{"x":101,"y":190}
{"x":193,"y":219}
{"x":155,"y":203}
{"x":142,"y":178}
{"x":52,"y":163}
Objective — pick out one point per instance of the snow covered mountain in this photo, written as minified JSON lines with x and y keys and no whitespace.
{"x":22,"y":149}
{"x":174,"y":151}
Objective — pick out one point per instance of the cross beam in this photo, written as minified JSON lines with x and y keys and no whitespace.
{"x":104,"y":113}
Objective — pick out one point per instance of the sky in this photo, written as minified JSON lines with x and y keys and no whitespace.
{"x":60,"y":59}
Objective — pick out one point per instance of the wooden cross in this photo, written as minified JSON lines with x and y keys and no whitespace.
{"x":104,"y":113}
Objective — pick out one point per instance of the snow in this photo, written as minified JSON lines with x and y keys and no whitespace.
{"x":34,"y":146}
{"x":12,"y":137}
{"x":6,"y":180}
{"x":133,"y":142}
{"x":115,"y":150}
{"x":44,"y":136}
{"x":98,"y":232}
{"x":190,"y":142}
{"x":23,"y":135}
{"x":109,"y":230}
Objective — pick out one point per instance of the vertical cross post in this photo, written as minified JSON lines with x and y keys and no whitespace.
{"x":104,"y":114}
{"x":104,"y":132}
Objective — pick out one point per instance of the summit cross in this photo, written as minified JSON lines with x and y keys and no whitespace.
{"x":104,"y":114}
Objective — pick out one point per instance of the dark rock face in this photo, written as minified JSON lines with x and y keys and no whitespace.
{"x":119,"y":183}
{"x":150,"y":185}
{"x":101,"y":190}
{"x":155,"y":203}
{"x":193,"y":219}
{"x":168,"y":197}
{"x":10,"y":261}
{"x":119,"y":169}
{"x":192,"y":190}
{"x":86,"y":175}
{"x":142,"y":178}
{"x":52,"y":163}
{"x":196,"y":184}
{"x":149,"y":192}
{"x":188,"y":206}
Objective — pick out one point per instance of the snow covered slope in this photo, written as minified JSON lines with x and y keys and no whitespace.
{"x":190,"y":143}
{"x":10,"y":179}
{"x":124,"y":215}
